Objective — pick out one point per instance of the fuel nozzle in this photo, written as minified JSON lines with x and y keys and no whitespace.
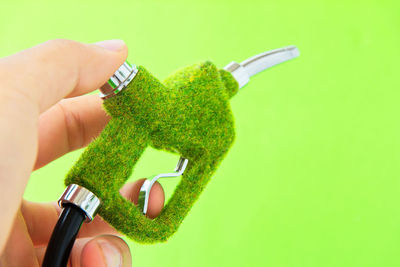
{"x":187,"y":114}
{"x":241,"y":73}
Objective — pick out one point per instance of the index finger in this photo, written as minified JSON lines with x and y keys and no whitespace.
{"x":61,"y":68}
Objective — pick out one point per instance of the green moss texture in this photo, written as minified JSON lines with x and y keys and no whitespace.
{"x":188,"y":114}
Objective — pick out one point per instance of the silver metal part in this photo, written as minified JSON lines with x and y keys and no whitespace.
{"x":148,"y":183}
{"x":119,"y":81}
{"x":243,"y":71}
{"x":81,"y":197}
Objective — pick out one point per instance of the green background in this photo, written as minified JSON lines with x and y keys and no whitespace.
{"x":313,"y":177}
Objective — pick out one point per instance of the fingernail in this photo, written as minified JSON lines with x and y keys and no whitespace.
{"x":113,"y":45}
{"x":111,"y":253}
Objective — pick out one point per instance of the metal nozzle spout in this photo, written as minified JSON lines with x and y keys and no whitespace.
{"x":243,"y":71}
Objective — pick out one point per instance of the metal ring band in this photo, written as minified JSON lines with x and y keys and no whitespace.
{"x":81,"y":197}
{"x":119,"y":81}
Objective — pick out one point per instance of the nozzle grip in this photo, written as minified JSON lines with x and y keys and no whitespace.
{"x":110,"y":158}
{"x":188,"y":114}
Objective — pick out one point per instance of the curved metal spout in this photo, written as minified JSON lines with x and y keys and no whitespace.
{"x":243,"y":71}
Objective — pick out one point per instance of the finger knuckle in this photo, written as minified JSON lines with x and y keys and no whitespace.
{"x":74,"y":126}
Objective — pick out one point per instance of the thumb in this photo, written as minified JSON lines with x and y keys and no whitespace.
{"x":101,"y":251}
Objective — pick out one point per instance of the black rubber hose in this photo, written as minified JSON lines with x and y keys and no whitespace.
{"x":63,"y":237}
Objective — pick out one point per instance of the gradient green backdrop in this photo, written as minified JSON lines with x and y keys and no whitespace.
{"x":313,"y":177}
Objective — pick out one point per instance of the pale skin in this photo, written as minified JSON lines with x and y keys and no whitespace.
{"x":45,"y":114}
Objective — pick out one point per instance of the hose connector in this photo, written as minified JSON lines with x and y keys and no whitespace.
{"x":82,"y":198}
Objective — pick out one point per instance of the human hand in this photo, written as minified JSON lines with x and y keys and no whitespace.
{"x":44,"y":115}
